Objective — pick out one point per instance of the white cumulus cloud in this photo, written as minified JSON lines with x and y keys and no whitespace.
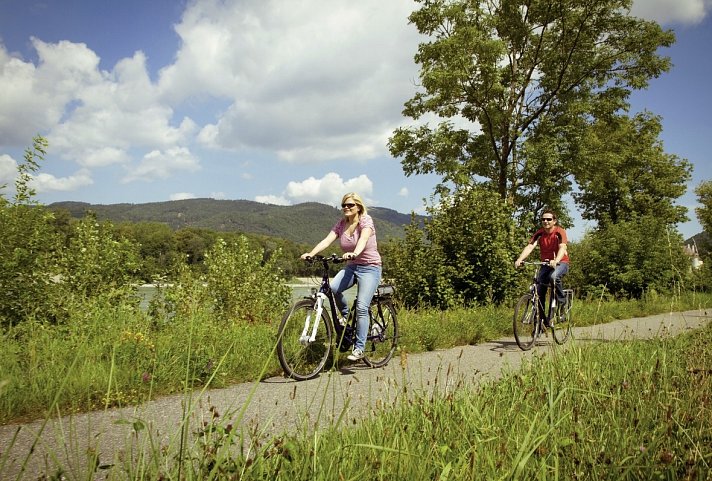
{"x":307,"y":82}
{"x":90,"y":116}
{"x":162,"y":164}
{"x":672,"y":11}
{"x":48,"y":183}
{"x":182,"y":196}
{"x":327,"y":190}
{"x":272,"y":199}
{"x":8,"y":169}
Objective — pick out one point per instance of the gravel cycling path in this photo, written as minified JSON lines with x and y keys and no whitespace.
{"x":276,"y":405}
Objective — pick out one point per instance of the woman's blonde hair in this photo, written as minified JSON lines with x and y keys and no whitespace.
{"x":357,"y":200}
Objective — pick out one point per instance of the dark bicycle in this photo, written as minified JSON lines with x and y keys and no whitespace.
{"x":310,"y":332}
{"x":529,"y":324}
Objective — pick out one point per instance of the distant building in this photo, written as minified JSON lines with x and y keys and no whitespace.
{"x":691,"y":250}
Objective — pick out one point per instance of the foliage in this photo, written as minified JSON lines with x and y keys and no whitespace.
{"x":475,"y":232}
{"x":96,"y":263}
{"x":625,"y":172}
{"x":27,"y":251}
{"x":463,"y":255}
{"x":157,"y":248}
{"x":528,"y":78}
{"x":240,"y":284}
{"x":49,"y":264}
{"x":702,"y":277}
{"x":418,"y":269}
{"x":704,"y":211}
{"x":243,"y":284}
{"x":631,"y":258}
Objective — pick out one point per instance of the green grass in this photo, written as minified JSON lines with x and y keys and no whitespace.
{"x":634,"y":410}
{"x":637,"y":410}
{"x":108,"y":356}
{"x":595,"y":411}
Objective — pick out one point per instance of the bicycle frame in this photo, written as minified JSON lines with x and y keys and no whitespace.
{"x":533,"y":288}
{"x":324,"y":293}
{"x":346,"y":330}
{"x":531,"y":317}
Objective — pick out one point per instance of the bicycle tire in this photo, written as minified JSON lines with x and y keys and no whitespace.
{"x":380,"y":347}
{"x":303,"y":360}
{"x":526,"y":322}
{"x":562,"y":324}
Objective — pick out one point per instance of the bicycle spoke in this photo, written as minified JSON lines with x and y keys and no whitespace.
{"x":383,"y":335}
{"x":526,"y":322}
{"x":562,"y":324}
{"x":300,"y":357}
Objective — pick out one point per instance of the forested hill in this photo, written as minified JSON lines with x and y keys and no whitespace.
{"x":303,"y":223}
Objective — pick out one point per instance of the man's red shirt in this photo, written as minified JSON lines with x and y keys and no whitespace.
{"x":549,"y":243}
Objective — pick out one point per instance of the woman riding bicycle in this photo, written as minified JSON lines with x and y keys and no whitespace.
{"x":357,"y":238}
{"x":552,"y":242}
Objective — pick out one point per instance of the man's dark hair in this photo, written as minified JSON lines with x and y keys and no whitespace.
{"x":549,"y":211}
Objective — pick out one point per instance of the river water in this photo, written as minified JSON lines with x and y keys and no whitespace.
{"x":299,"y":290}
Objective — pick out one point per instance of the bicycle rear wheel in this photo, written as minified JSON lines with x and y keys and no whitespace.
{"x":382,"y":335}
{"x":562,"y":324}
{"x":526,"y":322}
{"x":301,"y":358}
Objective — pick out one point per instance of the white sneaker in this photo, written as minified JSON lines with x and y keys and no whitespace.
{"x":355,"y":355}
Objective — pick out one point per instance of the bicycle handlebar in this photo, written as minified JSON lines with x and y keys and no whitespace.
{"x":537,"y":263}
{"x":333,"y":258}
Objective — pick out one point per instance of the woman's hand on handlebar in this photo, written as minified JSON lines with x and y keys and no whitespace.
{"x":348,"y":256}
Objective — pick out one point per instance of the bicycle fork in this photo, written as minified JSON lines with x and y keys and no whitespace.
{"x":305,"y":339}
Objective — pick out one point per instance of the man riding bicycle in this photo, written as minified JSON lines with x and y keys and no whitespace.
{"x":552,"y":242}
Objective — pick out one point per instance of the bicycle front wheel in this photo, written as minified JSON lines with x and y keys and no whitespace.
{"x":526,"y":322}
{"x":301,"y":357}
{"x":382,"y":336}
{"x":562,"y":325}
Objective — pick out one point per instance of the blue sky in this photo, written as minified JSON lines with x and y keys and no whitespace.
{"x":267,"y":100}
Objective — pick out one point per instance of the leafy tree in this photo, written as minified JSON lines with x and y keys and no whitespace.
{"x":27,"y":252}
{"x":625,"y":172}
{"x":474,"y":230}
{"x":704,"y":212}
{"x":242,"y":285}
{"x":193,"y":242}
{"x":632,"y":257}
{"x":157,"y":247}
{"x":97,"y":263}
{"x":703,"y":240}
{"x":419,"y":270}
{"x":517,"y":83}
{"x":464,"y":254}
